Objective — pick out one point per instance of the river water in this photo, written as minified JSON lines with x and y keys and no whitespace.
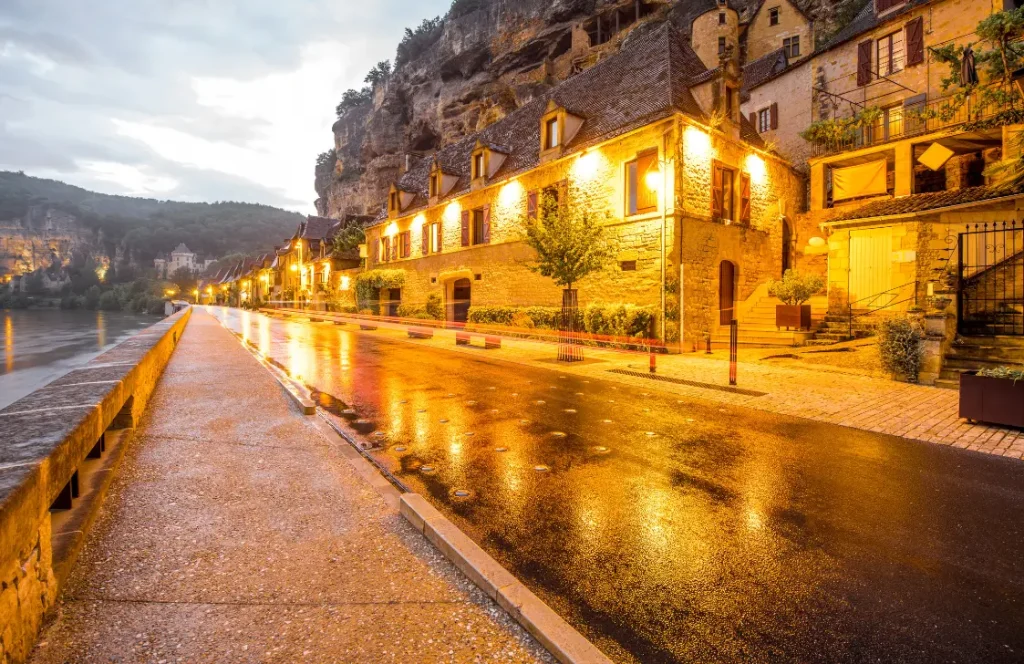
{"x":41,"y":345}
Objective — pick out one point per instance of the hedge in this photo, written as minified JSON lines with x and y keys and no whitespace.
{"x":614,"y":320}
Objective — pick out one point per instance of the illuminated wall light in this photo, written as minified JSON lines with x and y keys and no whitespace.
{"x":757,"y":168}
{"x":392,"y":229}
{"x":697,"y":145}
{"x":511,"y":194}
{"x":587,"y":166}
{"x":418,"y":221}
{"x":453,"y":213}
{"x":346,"y":283}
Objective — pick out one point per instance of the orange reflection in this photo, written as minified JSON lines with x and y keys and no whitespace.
{"x":8,"y":344}
{"x":101,"y":330}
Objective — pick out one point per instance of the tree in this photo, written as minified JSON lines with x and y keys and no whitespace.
{"x":347,"y":240}
{"x":353,"y":99}
{"x":185,"y":280}
{"x":569,"y":241}
{"x":417,"y":41}
{"x":380,"y":73}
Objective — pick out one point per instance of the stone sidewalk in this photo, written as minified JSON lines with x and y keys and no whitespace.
{"x":823,"y":393}
{"x":237,"y":532}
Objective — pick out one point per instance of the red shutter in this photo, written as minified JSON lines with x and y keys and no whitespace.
{"x":864,"y":62}
{"x":426,"y":239}
{"x":531,"y":205}
{"x":376,"y":250}
{"x":745,"y":198}
{"x":753,"y":120}
{"x":716,"y":192}
{"x":440,"y":235}
{"x":915,"y":41}
{"x":465,"y":228}
{"x":773,"y":112}
{"x":406,"y":244}
{"x":487,"y":224}
{"x":394,"y":248}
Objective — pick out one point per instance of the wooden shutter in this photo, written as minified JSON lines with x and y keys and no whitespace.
{"x":440,"y":235}
{"x":753,"y":120}
{"x":745,"y":198}
{"x":864,"y":62}
{"x":717,"y":194}
{"x":426,"y":239}
{"x":465,"y":228}
{"x":406,"y":244}
{"x":376,"y":250}
{"x":773,"y":115}
{"x":915,"y":41}
{"x":487,"y":224}
{"x":531,"y":205}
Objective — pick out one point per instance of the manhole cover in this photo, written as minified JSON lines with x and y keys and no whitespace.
{"x":492,"y":388}
{"x":611,"y":401}
{"x":558,"y":434}
{"x":541,"y":468}
{"x":443,"y":421}
{"x":427,"y":470}
{"x":401,"y":448}
{"x":495,"y":411}
{"x":379,"y":434}
{"x":501,"y":449}
{"x":579,"y":394}
{"x":601,"y":449}
{"x":650,"y":434}
{"x":540,"y":402}
{"x":422,"y":410}
{"x":403,"y":401}
{"x":515,"y":394}
{"x":463,"y":494}
{"x":606,"y":421}
{"x":471,"y":403}
{"x":571,"y":411}
{"x":469,"y":433}
{"x":524,"y":421}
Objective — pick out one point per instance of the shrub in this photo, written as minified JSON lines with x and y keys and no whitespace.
{"x":522,"y":320}
{"x":109,"y":302}
{"x":1003,"y":372}
{"x":618,"y":320}
{"x":901,"y":348}
{"x":92,"y":297}
{"x":795,"y":288}
{"x":435,"y":307}
{"x":370,"y":283}
{"x":155,"y":306}
{"x":410,"y":311}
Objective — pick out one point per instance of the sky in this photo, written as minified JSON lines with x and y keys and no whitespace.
{"x":187,"y":100}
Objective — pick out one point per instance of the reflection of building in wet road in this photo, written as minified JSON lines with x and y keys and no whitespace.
{"x":676,"y":531}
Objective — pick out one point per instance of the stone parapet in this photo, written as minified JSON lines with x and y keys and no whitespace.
{"x":47,"y":435}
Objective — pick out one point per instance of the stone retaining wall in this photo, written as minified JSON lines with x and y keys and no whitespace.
{"x":45,"y":437}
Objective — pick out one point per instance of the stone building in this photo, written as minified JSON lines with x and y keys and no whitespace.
{"x":306,"y":269}
{"x":182,"y":258}
{"x":697,"y":209}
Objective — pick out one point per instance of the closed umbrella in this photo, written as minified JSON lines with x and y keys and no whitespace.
{"x":968,"y":72}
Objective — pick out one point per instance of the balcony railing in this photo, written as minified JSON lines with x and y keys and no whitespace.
{"x":912,"y":119}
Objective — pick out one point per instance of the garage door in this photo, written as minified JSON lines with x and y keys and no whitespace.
{"x":870,"y":267}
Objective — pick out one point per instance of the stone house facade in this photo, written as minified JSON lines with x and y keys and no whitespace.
{"x":696,"y":212}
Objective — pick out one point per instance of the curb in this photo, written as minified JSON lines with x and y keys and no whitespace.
{"x":559,"y":637}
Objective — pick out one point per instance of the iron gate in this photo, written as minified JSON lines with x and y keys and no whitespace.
{"x":991,"y":279}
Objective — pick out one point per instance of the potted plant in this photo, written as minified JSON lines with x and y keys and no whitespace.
{"x":794,"y":290}
{"x":995,"y":396}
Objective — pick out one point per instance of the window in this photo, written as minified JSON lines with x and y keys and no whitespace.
{"x":723,"y":181}
{"x":721,"y":46}
{"x":434,"y":189}
{"x":730,"y":102}
{"x":478,"y":165}
{"x":791,"y":45}
{"x":405,"y":245}
{"x":764,"y":120}
{"x":551,"y":137}
{"x":773,"y":16}
{"x":721,"y":18}
{"x":385,"y":249}
{"x":435,"y":238}
{"x":478,"y":227}
{"x":393,"y":202}
{"x":891,"y":54}
{"x":640,"y":196}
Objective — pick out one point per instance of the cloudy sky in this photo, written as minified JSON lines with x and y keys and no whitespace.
{"x":190,"y":100}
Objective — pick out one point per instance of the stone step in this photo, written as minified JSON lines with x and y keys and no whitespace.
{"x":948,"y":383}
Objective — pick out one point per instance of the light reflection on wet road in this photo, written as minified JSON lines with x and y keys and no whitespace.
{"x":678,"y":531}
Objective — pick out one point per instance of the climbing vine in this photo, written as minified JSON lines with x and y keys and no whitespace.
{"x":370,"y":284}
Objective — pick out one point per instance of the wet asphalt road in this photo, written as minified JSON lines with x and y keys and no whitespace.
{"x":681,"y":531}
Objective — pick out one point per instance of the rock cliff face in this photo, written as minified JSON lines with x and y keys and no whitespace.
{"x":45,"y":237}
{"x":489,"y":58}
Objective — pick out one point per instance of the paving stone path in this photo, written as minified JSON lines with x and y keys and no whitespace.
{"x":237,"y":532}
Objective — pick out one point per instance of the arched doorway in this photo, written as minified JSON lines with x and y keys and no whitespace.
{"x":458,"y":306}
{"x":787,"y":246}
{"x":726,"y":292}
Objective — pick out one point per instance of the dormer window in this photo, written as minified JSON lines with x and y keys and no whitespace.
{"x":440,"y":183}
{"x":773,"y":16}
{"x":434,"y":184}
{"x":551,"y":137}
{"x":398,"y":200}
{"x":478,"y":165}
{"x":393,"y":202}
{"x":484,"y":162}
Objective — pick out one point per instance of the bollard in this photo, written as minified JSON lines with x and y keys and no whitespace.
{"x":654,"y":361}
{"x":733,"y":346}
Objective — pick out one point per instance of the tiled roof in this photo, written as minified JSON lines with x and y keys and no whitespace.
{"x":317,"y":228}
{"x":930,"y":202}
{"x":648,"y":80}
{"x":864,"y":21}
{"x":764,"y":68}
{"x":181,"y":249}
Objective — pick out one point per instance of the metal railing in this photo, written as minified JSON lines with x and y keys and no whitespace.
{"x":991,"y":280}
{"x":912,"y":120}
{"x":872,"y":304}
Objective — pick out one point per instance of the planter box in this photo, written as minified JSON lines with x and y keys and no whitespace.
{"x":992,"y":400}
{"x":793,"y":316}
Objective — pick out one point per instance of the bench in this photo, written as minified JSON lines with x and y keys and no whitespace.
{"x":421,"y":333}
{"x":466,"y":338}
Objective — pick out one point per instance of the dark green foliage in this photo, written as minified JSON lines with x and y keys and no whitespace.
{"x":33,"y":283}
{"x":570,"y":242}
{"x":380,"y":73}
{"x":347,"y":240}
{"x":435,"y":308}
{"x":109,"y":302}
{"x":416,"y":42}
{"x":149,"y":227}
{"x":901,"y":348}
{"x":608,"y":320}
{"x":369,"y":285}
{"x":353,"y":99}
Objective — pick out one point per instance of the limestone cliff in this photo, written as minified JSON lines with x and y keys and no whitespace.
{"x":486,"y":58}
{"x":46,"y":237}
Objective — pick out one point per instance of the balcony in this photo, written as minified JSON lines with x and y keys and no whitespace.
{"x":915,"y":119}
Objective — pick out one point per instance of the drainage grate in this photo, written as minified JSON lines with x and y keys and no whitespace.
{"x":691,"y":383}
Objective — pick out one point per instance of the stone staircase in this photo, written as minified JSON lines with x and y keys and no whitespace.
{"x":757,"y":328}
{"x":835,"y":328}
{"x":973,"y":353}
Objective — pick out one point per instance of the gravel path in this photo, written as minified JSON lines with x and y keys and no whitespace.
{"x":237,"y":533}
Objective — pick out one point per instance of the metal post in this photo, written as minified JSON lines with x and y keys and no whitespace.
{"x":650,"y":347}
{"x":733,"y":346}
{"x":708,"y":338}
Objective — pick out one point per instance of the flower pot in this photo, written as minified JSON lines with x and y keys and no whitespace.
{"x":793,"y":316}
{"x":992,"y":400}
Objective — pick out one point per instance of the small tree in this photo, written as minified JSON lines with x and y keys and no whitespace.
{"x":901,"y":348}
{"x":795,"y":288}
{"x":185,"y":280}
{"x":347,"y":240}
{"x":570,"y":245}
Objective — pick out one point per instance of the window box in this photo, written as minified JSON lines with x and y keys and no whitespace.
{"x":992,"y":400}
{"x":793,"y":316}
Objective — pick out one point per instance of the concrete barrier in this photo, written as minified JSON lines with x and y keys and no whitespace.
{"x":46,"y":436}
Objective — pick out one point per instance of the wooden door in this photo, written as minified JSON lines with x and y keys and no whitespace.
{"x":461,"y":292}
{"x":870,"y":267}
{"x":726,"y":292}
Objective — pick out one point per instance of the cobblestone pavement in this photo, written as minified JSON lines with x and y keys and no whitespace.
{"x":237,"y":533}
{"x":824,"y":393}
